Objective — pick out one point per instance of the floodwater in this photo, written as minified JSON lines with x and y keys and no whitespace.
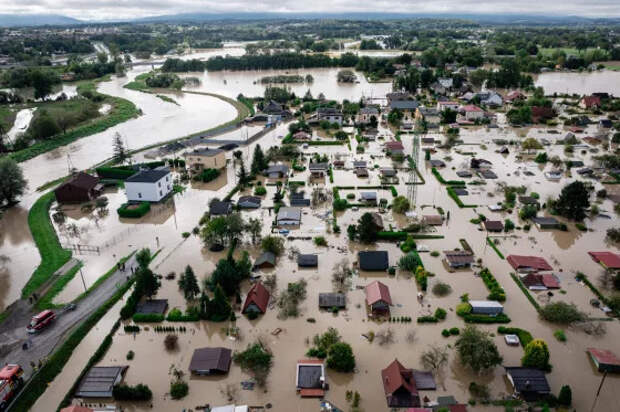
{"x":22,"y":120}
{"x":580,"y":83}
{"x":231,"y":83}
{"x":566,"y":251}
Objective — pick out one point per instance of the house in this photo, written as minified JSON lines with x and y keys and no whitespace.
{"x":257,"y":299}
{"x":149,"y":185}
{"x":590,"y":102}
{"x":529,"y":200}
{"x":524,"y":264}
{"x":273,"y":109}
{"x":528,"y":383}
{"x":430,"y":115}
{"x":329,"y":114}
{"x":301,"y":136}
{"x":514,"y":96}
{"x":318,"y":169}
{"x":368,"y":197}
{"x":546,"y":223}
{"x":446,"y":82}
{"x":486,"y":307}
{"x":488,"y":174}
{"x":464,"y":173}
{"x":427,"y":140}
{"x":277,"y":171}
{"x":432,"y":220}
{"x":407,"y":108}
{"x":472,"y":113}
{"x":370,"y":134}
{"x":394,"y":147}
{"x":387,"y":172}
{"x":541,"y":113}
{"x":605,"y":360}
{"x":399,"y":386}
{"x":298,"y":199}
{"x":338,"y":163}
{"x":605,"y":124}
{"x":493,"y":100}
{"x":366,"y":114}
{"x":373,"y":260}
{"x":448,"y":105}
{"x":493,"y":225}
{"x":553,"y":175}
{"x":309,"y":260}
{"x":249,"y":202}
{"x":152,"y":306}
{"x":210,"y":361}
{"x":310,"y":378}
{"x":82,"y":187}
{"x":535,"y":281}
{"x":99,"y":381}
{"x":220,"y":208}
{"x":359,"y":164}
{"x":361,"y":172}
{"x":231,"y":408}
{"x":396,"y":96}
{"x":609,"y":260}
{"x":265,"y":260}
{"x":478,"y":164}
{"x":437,"y":163}
{"x":201,"y":159}
{"x":378,"y":298}
{"x":289,"y":216}
{"x":437,"y":88}
{"x":332,"y":300}
{"x":459,"y":258}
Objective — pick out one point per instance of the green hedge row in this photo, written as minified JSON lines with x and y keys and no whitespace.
{"x":582,"y":277}
{"x":525,"y":291}
{"x":494,"y":246}
{"x":446,"y":182}
{"x":457,"y":199}
{"x":147,"y":317}
{"x":474,"y":318}
{"x":524,"y":336}
{"x":142,"y":209}
{"x":401,"y":236}
{"x":497,"y":292}
{"x":427,"y":319}
{"x":114,"y":173}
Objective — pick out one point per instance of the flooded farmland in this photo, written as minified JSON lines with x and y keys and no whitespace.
{"x":580,"y":83}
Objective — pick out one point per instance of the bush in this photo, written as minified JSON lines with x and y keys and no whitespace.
{"x":178,"y":389}
{"x":472,"y":318}
{"x":508,"y":225}
{"x":340,"y":357}
{"x":427,"y":319}
{"x":536,"y":355}
{"x":497,"y":292}
{"x":148,"y":317}
{"x":561,"y":312}
{"x":525,"y":337}
{"x":566,"y":396}
{"x":260,"y":191}
{"x":135,"y":212}
{"x":463,"y":309}
{"x":454,"y":331}
{"x":139,"y":392}
{"x":445,"y":333}
{"x":440,"y":313}
{"x":560,"y":335}
{"x":130,"y":355}
{"x":116,"y":173}
{"x":132,"y":328}
{"x":441,"y":289}
{"x":171,"y":342}
{"x":320,"y":241}
{"x":208,"y":175}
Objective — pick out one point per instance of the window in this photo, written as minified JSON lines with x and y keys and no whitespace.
{"x":167,"y":178}
{"x":139,"y":195}
{"x":158,"y":184}
{"x":160,"y":193}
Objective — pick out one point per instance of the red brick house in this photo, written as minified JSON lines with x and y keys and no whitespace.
{"x":399,"y":386}
{"x":257,"y":299}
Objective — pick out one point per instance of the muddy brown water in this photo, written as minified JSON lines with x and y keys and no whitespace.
{"x":580,"y":83}
{"x":566,"y":251}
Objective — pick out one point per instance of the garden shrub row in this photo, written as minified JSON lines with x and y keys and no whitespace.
{"x":457,"y":199}
{"x":494,"y":246}
{"x":497,"y":292}
{"x":114,"y":173}
{"x":524,"y":336}
{"x":446,"y":182}
{"x":473,"y":318}
{"x":134,"y":213}
{"x":583,"y":278}
{"x":525,"y":291}
{"x":175,"y":315}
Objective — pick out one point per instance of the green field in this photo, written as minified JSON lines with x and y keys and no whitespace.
{"x":568,"y":50}
{"x":7,"y":118}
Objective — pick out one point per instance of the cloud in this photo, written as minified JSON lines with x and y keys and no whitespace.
{"x":126,"y":9}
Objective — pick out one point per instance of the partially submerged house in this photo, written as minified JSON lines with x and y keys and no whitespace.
{"x":332,"y":300}
{"x":220,"y":208}
{"x":368,"y":197}
{"x":249,"y":202}
{"x":373,"y":260}
{"x":546,"y":222}
{"x":289,"y":216}
{"x":605,"y":360}
{"x":537,"y":281}
{"x":525,"y":264}
{"x":82,"y":187}
{"x":265,"y":260}
{"x":99,"y":381}
{"x":365,"y":115}
{"x":310,"y":378}
{"x":210,"y":361}
{"x":432,"y":220}
{"x":152,"y":307}
{"x":472,"y":113}
{"x":590,"y":102}
{"x":493,"y":225}
{"x":486,"y":307}
{"x":298,"y":199}
{"x":329,"y":114}
{"x":528,"y":383}
{"x":149,"y":185}
{"x":399,"y":386}
{"x":318,"y":170}
{"x":307,"y":260}
{"x":378,"y":298}
{"x":201,"y":159}
{"x":394,"y":147}
{"x":609,"y":260}
{"x":257,"y":299}
{"x":457,"y":259}
{"x":277,"y":171}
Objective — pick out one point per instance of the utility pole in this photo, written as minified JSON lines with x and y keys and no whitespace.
{"x":82,"y":276}
{"x":598,"y":392}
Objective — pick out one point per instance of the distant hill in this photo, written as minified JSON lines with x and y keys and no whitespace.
{"x":20,"y":20}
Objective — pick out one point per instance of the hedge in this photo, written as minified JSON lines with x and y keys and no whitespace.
{"x":494,"y":246}
{"x":394,"y":191}
{"x":446,"y":182}
{"x":525,"y":291}
{"x":524,"y":336}
{"x":427,"y":319}
{"x":114,"y":173}
{"x":456,"y":198}
{"x":582,"y":277}
{"x":148,"y":317}
{"x":39,"y":382}
{"x":401,"y":236}
{"x":497,"y":292}
{"x":142,"y":209}
{"x":175,"y":315}
{"x":474,"y":318}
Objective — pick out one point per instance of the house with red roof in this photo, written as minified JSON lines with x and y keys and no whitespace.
{"x":378,"y":298}
{"x":257,"y":299}
{"x":605,"y":360}
{"x":394,"y":147}
{"x":590,"y":102}
{"x":514,"y":95}
{"x":609,"y":260}
{"x":536,"y":281}
{"x":399,"y":386}
{"x":526,"y":264}
{"x":472,"y":112}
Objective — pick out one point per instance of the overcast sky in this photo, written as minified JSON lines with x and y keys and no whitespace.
{"x":123,"y":9}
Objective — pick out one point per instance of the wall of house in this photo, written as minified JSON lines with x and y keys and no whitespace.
{"x":149,"y":192}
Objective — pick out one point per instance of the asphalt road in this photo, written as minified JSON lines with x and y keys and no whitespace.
{"x":13,"y":331}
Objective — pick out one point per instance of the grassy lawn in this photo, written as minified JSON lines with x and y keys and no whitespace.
{"x":46,"y":301}
{"x":122,"y":110}
{"x":614,"y":67}
{"x":7,"y":118}
{"x":53,"y":256}
{"x":568,"y":50}
{"x":138,"y":83}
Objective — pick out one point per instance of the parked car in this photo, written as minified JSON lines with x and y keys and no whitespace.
{"x":11,"y":382}
{"x":41,"y":321}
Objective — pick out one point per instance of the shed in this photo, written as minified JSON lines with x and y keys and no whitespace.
{"x":432,"y":220}
{"x":605,"y":360}
{"x":488,"y":174}
{"x":80,"y":188}
{"x":493,"y":225}
{"x":361,"y":172}
{"x":289,"y":216}
{"x":298,"y":199}
{"x":530,"y":384}
{"x":257,"y":299}
{"x":464,"y":173}
{"x":486,"y":307}
{"x":210,"y":361}
{"x":437,"y":163}
{"x":332,"y":300}
{"x":309,"y":260}
{"x":459,"y":258}
{"x":459,"y":191}
{"x":373,"y":260}
{"x":546,"y":222}
{"x":265,"y":260}
{"x":99,"y":381}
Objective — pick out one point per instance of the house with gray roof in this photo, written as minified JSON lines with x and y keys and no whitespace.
{"x":289,"y":216}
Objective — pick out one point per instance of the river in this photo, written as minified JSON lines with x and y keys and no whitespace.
{"x":580,"y":83}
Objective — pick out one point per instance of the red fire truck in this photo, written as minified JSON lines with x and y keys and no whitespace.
{"x":40,"y":321}
{"x":10,"y":382}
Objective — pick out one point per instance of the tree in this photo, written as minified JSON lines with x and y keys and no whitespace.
{"x":435,"y":358}
{"x":12,"y":182}
{"x":219,"y":307}
{"x":531,"y":144}
{"x":189,"y":284}
{"x":254,"y":227}
{"x":120,"y":153}
{"x":561,"y":312}
{"x":256,"y":360}
{"x":477,"y":350}
{"x":340,"y":357}
{"x":242,"y":174}
{"x":367,"y":228}
{"x":273,"y":244}
{"x":536,"y":355}
{"x":341,"y":276}
{"x":566,"y":396}
{"x":448,"y":116}
{"x":573,"y":201}
{"x":400,"y":204}
{"x":147,"y":281}
{"x":42,"y":83}
{"x":215,"y":231}
{"x":259,"y":163}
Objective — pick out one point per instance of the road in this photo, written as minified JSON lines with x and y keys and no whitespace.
{"x":13,"y":331}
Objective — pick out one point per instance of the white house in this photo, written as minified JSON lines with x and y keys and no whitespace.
{"x":454,"y":106}
{"x":149,"y":185}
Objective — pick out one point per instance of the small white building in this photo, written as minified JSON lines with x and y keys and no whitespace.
{"x":149,"y":185}
{"x":454,"y":106}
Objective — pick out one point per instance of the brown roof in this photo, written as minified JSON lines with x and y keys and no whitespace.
{"x":534,"y":262}
{"x":590,"y":101}
{"x":394,"y":145}
{"x":258,"y":295}
{"x":376,"y":292}
{"x":435,"y":220}
{"x":83,"y":181}
{"x":396,"y":376}
{"x":459,"y":256}
{"x":493,"y":225}
{"x":211,"y":359}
